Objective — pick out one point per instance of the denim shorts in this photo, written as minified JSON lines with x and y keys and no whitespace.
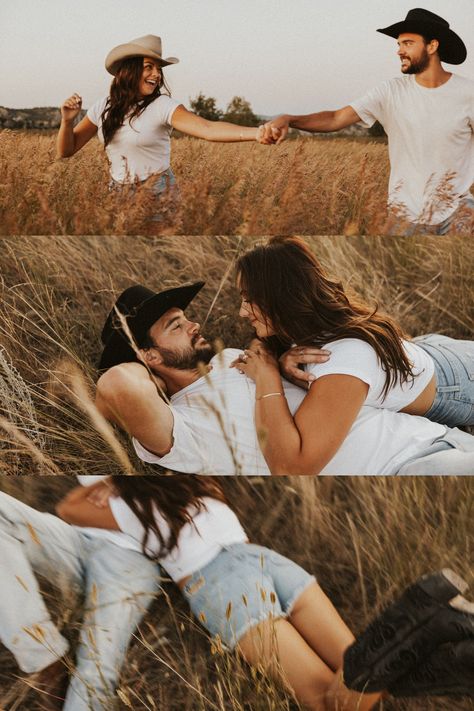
{"x":454,"y":368}
{"x":242,"y":586}
{"x":160,"y":186}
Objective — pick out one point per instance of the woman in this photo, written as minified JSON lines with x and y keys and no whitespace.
{"x":366,"y":359}
{"x":264,"y":605}
{"x":135,"y":121}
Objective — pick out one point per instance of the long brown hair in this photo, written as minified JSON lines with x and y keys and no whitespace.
{"x":177,"y":497}
{"x":304,"y":306}
{"x":124,"y":100}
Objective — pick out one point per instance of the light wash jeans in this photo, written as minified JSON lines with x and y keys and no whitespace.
{"x":454,"y":368}
{"x":118,"y":585}
{"x":453,"y":453}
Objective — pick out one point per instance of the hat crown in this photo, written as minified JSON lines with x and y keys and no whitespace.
{"x":419,"y":14}
{"x":150,"y":42}
{"x":132,"y":298}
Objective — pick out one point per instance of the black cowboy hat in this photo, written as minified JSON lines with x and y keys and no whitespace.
{"x":141,"y":307}
{"x":423,"y":22}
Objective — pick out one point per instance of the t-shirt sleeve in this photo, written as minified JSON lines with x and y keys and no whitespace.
{"x":95,"y":111}
{"x":185,"y":455}
{"x":350,"y":356}
{"x":370,"y":107}
{"x":167,"y":106}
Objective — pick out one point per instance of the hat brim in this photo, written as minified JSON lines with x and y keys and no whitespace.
{"x":117,"y":347}
{"x":123,"y":51}
{"x":452,"y":49}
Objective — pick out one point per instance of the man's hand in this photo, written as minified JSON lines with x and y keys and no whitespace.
{"x":299,"y":355}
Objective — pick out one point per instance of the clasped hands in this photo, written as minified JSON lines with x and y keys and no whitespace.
{"x":257,"y":358}
{"x":274,"y":131}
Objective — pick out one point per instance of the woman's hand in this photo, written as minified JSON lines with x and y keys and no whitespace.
{"x":71,"y":108}
{"x":256,"y":361}
{"x":100,"y":494}
{"x":299,"y":355}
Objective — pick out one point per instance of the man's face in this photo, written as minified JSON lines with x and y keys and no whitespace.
{"x":413,"y":53}
{"x":179,"y":342}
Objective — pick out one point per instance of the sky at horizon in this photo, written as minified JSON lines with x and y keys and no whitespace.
{"x":296,"y":57}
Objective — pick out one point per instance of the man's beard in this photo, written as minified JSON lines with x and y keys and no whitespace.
{"x":188,"y":358}
{"x":416,"y":66}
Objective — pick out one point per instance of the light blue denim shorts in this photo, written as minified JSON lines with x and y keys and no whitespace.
{"x":160,"y":186}
{"x":454,"y":368}
{"x":242,"y":586}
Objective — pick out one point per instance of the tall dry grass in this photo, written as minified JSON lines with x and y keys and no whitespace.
{"x":56,"y":292}
{"x":364,"y":538}
{"x":306,"y":186}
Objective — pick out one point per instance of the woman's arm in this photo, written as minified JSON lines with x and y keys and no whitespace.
{"x":72,"y":138}
{"x":75,"y":508}
{"x":306,"y":443}
{"x":187,"y":122}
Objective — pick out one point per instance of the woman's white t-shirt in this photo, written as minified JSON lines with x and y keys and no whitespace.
{"x":140,"y":148}
{"x":351,"y":356}
{"x":199,"y":541}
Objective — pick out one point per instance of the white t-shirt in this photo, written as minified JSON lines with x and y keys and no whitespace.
{"x":430,"y":137}
{"x":143,"y":148}
{"x":214,"y":430}
{"x":199,"y":542}
{"x":212,"y":528}
{"x":351,"y":356}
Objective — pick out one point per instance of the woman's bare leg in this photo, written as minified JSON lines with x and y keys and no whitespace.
{"x":280,"y":651}
{"x":316,"y":619}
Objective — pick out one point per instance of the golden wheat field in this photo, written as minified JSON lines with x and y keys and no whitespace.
{"x":306,"y":186}
{"x":364,"y":538}
{"x":55,"y":294}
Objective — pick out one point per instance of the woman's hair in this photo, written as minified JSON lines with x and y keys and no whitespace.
{"x":124,"y":100}
{"x":304,"y":306}
{"x":177,"y":498}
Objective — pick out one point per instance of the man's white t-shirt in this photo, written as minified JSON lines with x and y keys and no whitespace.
{"x":140,"y":148}
{"x":430,"y":141}
{"x":214,"y":430}
{"x":352,"y":356}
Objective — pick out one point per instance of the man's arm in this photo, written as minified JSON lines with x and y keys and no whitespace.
{"x":321,"y":122}
{"x":127,"y":396}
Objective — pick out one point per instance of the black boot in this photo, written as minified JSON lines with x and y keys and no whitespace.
{"x":407,"y":631}
{"x":449,"y":671}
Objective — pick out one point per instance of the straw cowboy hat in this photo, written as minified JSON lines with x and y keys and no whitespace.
{"x":147,"y":46}
{"x":140,"y":307}
{"x":423,"y":22}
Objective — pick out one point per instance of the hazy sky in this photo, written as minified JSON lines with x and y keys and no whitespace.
{"x":295,"y":56}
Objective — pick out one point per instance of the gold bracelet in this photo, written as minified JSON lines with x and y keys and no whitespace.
{"x":262,"y":397}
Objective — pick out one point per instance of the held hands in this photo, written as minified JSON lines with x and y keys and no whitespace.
{"x":255,"y":361}
{"x":269,"y":136}
{"x":299,"y":355}
{"x":276,"y":130}
{"x":71,"y":107}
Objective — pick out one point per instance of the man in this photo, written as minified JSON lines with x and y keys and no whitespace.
{"x":207,"y":426}
{"x":428,"y":115}
{"x":107,"y":567}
